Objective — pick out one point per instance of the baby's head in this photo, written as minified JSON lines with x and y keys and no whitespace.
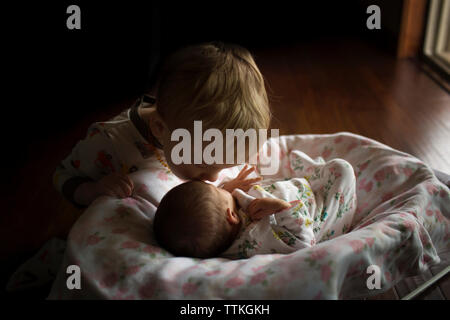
{"x":196,"y":219}
{"x":216,"y":83}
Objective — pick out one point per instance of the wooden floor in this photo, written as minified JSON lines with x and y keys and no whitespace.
{"x":322,"y":87}
{"x":349,"y":86}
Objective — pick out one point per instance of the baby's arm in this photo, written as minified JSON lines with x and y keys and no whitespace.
{"x":259,"y":208}
{"x":296,"y":222}
{"x":91,"y":170}
{"x":287,"y":219}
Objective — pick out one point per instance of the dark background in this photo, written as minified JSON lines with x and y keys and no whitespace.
{"x":56,"y":75}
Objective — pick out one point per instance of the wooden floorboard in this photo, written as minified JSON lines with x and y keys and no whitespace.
{"x":348,"y":86}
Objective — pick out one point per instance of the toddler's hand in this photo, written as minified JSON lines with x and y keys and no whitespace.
{"x":241,"y":181}
{"x":260,"y":208}
{"x":114,"y":185}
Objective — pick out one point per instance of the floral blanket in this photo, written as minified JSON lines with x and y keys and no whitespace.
{"x":400,"y":227}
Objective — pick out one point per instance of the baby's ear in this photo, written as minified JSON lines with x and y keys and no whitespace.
{"x":232,"y":217}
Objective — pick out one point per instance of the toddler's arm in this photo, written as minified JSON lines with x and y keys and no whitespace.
{"x":92,"y":169}
{"x":114,"y":185}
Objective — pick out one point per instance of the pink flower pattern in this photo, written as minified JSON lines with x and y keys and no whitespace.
{"x":189,"y":288}
{"x":130,"y":245}
{"x":431,"y":188}
{"x":357,"y":245}
{"x":93,"y":239}
{"x":162,"y":175}
{"x":366,"y":186}
{"x":326,"y":152}
{"x":318,"y":254}
{"x":325,"y":273}
{"x":109,"y":280}
{"x":257,"y":278}
{"x":352,"y":146}
{"x":147,"y":290}
{"x":234,"y":282}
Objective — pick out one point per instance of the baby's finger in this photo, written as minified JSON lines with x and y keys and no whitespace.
{"x":250,"y":208}
{"x":258,"y":215}
{"x":249,"y":183}
{"x":108,"y":191}
{"x":254,"y":206}
{"x":245,"y":173}
{"x":241,"y":172}
{"x":129,"y":181}
{"x":252,"y":180}
{"x":126,"y":188}
{"x":121,"y":186}
{"x":126,"y":179}
{"x":255,"y":218}
{"x":118,"y":191}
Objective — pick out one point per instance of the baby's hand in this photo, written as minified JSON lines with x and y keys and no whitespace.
{"x":115,"y":185}
{"x":241,"y":181}
{"x":260,"y":208}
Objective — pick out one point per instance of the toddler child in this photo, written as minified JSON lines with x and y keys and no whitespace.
{"x":216,"y":83}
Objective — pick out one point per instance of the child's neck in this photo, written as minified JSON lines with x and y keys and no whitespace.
{"x":145,"y":114}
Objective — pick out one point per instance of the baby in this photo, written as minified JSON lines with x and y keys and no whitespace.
{"x":241,"y":219}
{"x":200,"y":220}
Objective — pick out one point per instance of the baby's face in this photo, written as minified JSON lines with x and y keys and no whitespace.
{"x":201,"y":172}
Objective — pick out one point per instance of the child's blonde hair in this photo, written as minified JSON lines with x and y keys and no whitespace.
{"x":217,"y":83}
